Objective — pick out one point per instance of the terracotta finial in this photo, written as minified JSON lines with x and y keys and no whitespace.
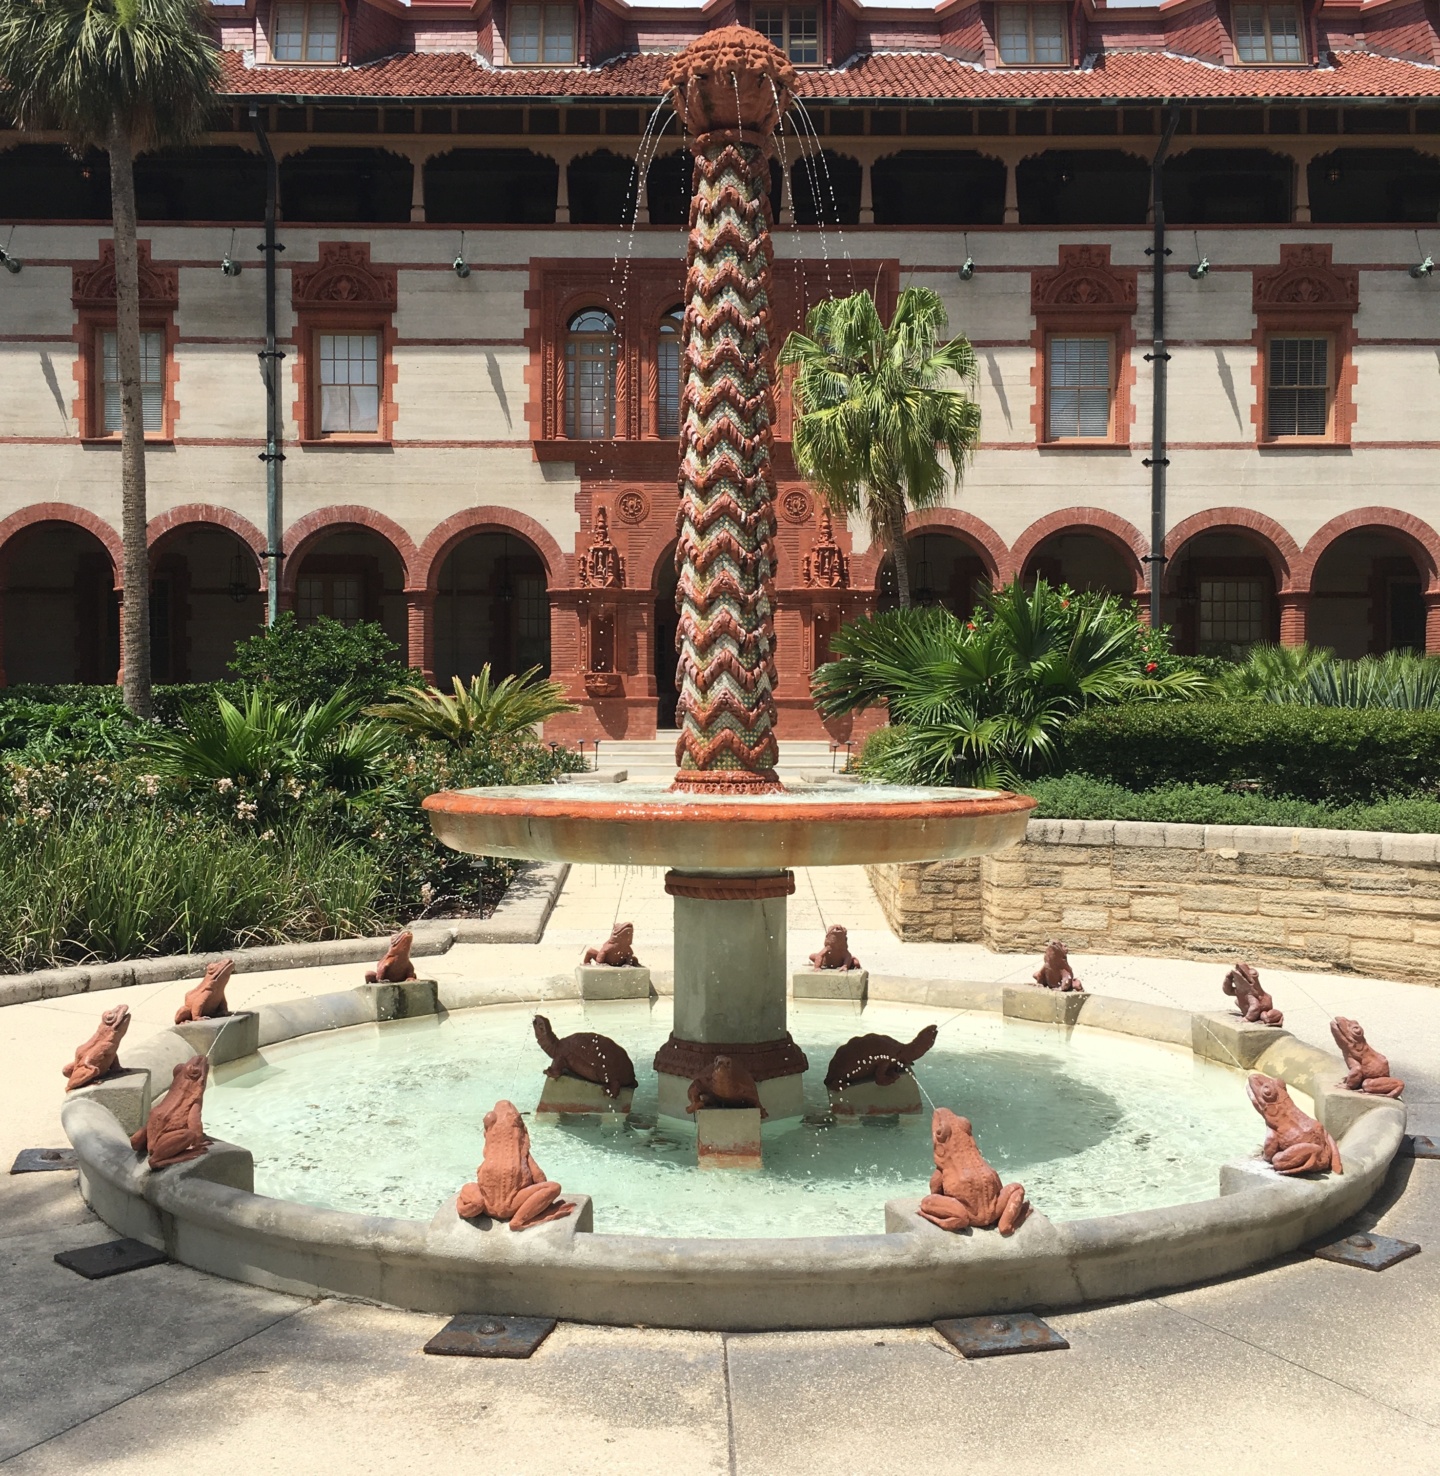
{"x":1368,"y":1071}
{"x":965,"y":1192}
{"x":1295,"y":1143}
{"x":586,"y":1056}
{"x":731,"y":78}
{"x":99,"y":1056}
{"x":1242,"y":984}
{"x":174,"y":1133}
{"x":617,"y":950}
{"x":509,"y":1184}
{"x":206,"y":1000}
{"x":394,"y":966}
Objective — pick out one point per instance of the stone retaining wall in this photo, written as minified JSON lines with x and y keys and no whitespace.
{"x":1337,"y":900}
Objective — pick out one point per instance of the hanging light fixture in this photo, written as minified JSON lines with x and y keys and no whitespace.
{"x":239,"y":587}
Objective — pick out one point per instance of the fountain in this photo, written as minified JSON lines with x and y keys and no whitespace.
{"x":727,"y":830}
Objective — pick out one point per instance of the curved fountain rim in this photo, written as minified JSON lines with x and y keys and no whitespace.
{"x":205,"y":1216}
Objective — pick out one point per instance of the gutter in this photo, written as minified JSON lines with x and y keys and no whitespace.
{"x":270,"y":356}
{"x":1159,"y":360}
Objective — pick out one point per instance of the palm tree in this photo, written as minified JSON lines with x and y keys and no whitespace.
{"x":121,"y":75}
{"x":876,"y":420}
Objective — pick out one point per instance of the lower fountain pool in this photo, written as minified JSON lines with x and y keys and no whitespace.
{"x":386,"y":1120}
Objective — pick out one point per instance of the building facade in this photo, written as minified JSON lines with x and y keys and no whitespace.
{"x":483,"y":218}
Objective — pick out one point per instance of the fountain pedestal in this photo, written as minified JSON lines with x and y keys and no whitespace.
{"x":730,"y":987}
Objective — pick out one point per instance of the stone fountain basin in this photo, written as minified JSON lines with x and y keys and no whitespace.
{"x":646,"y":825}
{"x":206,"y":1215}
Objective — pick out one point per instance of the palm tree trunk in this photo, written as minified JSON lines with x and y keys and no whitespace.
{"x":135,"y":611}
{"x":895,"y":546}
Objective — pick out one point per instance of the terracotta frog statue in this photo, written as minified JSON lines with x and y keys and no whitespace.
{"x":1295,"y":1144}
{"x":1055,"y":972}
{"x":588,"y":1056}
{"x":836,"y":952}
{"x":616,"y":950}
{"x":509,"y":1184}
{"x":1369,"y":1070}
{"x":878,"y":1058}
{"x":394,"y":966}
{"x":1242,"y":984}
{"x":99,"y":1056}
{"x":173,"y":1132}
{"x":965,"y":1192}
{"x":206,"y":1000}
{"x":724,"y":1083}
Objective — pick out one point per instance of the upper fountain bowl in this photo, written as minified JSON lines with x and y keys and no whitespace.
{"x":647,"y":825}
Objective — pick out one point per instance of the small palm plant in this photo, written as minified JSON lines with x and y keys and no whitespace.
{"x":881,"y":410}
{"x":486,"y":709}
{"x":122,"y":75}
{"x":984,"y":701}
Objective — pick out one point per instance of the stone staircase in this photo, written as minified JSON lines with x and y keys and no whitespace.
{"x":653,"y":760}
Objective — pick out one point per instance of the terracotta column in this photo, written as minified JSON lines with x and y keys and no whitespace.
{"x":1302,"y":189}
{"x":420,"y":620}
{"x":562,"y":192}
{"x":417,"y":188}
{"x":1432,"y":622}
{"x":1294,"y":617}
{"x":1012,"y":196}
{"x":867,"y":200}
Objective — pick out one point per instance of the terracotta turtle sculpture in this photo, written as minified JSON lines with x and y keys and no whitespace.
{"x":587,"y":1056}
{"x":724,"y":1083}
{"x":878,"y":1058}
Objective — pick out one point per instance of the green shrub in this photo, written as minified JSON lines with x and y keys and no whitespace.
{"x":483,"y":710}
{"x":1336,"y":755}
{"x":312,"y":662}
{"x":1079,"y":797}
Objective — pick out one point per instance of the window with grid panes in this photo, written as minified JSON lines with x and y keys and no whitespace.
{"x":590,"y":376}
{"x":1232,"y":611}
{"x":1032,"y":35}
{"x":792,"y":29}
{"x":306,"y":33}
{"x":152,"y":384}
{"x":340,"y":596}
{"x":349,"y":383}
{"x":1267,"y":33}
{"x":1078,"y":378}
{"x":542,"y":35}
{"x":667,"y":363}
{"x":1297,"y":396}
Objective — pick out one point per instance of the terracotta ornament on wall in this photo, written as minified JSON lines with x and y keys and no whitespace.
{"x":729,"y":89}
{"x":1369,"y":1070}
{"x":965,"y":1192}
{"x":1242,"y":984}
{"x":724,"y":1083}
{"x":878,"y":1058}
{"x":825,"y":566}
{"x":509,"y":1184}
{"x":616,"y":951}
{"x":99,"y":1056}
{"x":1055,"y":972}
{"x":586,"y":1056}
{"x":1296,"y":1143}
{"x":394,"y":966}
{"x":174,"y":1133}
{"x":601,"y":566}
{"x":206,"y":1001}
{"x":836,"y":952}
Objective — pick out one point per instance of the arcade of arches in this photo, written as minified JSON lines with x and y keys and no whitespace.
{"x":602,"y":620}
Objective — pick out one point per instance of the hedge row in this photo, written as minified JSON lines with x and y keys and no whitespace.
{"x":1327,"y":755}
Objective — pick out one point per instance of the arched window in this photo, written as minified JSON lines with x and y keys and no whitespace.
{"x":670,"y":377}
{"x":590,"y":376}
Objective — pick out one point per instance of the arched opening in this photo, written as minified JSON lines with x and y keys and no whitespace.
{"x":204,"y":598}
{"x":200,"y":184}
{"x":491,"y":605}
{"x":602,"y":188}
{"x":1228,"y":186}
{"x":1222,"y":595}
{"x":62,"y":615}
{"x":49,"y":182}
{"x":669,"y":187}
{"x":590,"y":376}
{"x":350,"y":575}
{"x":345,"y":185}
{"x":1356,"y":186}
{"x":1367,"y":596}
{"x":1084,"y":561}
{"x":945,"y":569}
{"x":1082,"y":187}
{"x":491,"y":187}
{"x":825,"y":189}
{"x":667,"y":629}
{"x":938,"y":187}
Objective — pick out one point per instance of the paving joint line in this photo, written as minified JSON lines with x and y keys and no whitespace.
{"x":729,"y":1403}
{"x":1293,"y":1363}
{"x":158,"y":1384}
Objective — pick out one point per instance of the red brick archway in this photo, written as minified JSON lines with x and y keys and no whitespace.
{"x":1113,"y":529}
{"x":1419,"y":538}
{"x":65,"y":512}
{"x":455,"y":530}
{"x":306,"y":532}
{"x":985,"y":540}
{"x":205,"y":514}
{"x":1279,"y":548}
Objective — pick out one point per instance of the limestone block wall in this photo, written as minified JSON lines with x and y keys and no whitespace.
{"x":1337,"y":900}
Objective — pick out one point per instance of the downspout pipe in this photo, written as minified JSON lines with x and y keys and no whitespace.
{"x":270,"y":356}
{"x":1159,"y":360}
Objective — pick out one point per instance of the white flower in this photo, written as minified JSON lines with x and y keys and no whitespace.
{"x":224,"y":785}
{"x":150,"y":783}
{"x":247,"y":809}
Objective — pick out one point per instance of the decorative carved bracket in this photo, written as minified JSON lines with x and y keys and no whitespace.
{"x":344,"y":280}
{"x":1084,"y":284}
{"x":94,"y":286}
{"x":1306,"y":283}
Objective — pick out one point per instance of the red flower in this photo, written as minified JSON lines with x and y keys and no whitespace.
{"x":1151,"y":666}
{"x":969,"y":625}
{"x":1064,"y":604}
